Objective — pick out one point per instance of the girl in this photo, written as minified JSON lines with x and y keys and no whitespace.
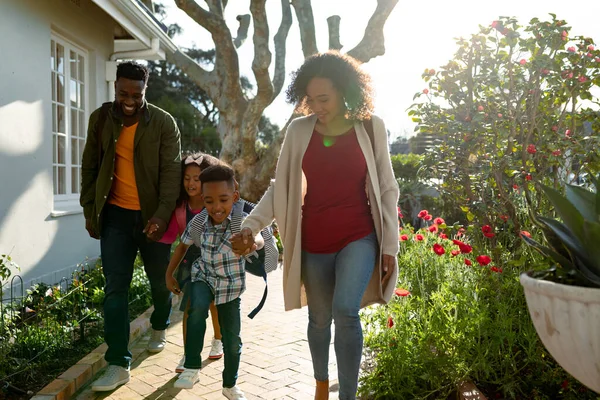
{"x":334,"y":198}
{"x":189,"y":204}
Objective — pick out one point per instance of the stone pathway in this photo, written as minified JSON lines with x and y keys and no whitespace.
{"x":275,"y":357}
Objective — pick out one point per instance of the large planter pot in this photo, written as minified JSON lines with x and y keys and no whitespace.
{"x":567,"y":319}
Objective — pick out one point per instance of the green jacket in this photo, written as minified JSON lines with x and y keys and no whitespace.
{"x":157,"y":156}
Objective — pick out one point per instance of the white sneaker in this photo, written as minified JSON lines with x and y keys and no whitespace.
{"x":157,"y":342}
{"x":187,"y":379}
{"x":180,"y":368}
{"x":112,"y":377}
{"x":233,"y":393}
{"x":216,"y":350}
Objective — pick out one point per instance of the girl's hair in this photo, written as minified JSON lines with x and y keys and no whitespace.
{"x":199,"y":159}
{"x":347,"y":77}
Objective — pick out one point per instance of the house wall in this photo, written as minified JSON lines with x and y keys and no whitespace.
{"x":43,"y":245}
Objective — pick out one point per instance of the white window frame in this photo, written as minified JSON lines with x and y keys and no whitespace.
{"x":68,"y":202}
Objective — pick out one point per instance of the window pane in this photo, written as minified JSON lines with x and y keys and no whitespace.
{"x":53,"y":85}
{"x":55,"y":180}
{"x":52,"y":55}
{"x":60,"y":58}
{"x":54,"y":125}
{"x":81,"y":69}
{"x":54,"y":160}
{"x":73,"y":93}
{"x":74,"y":123}
{"x":74,"y":151}
{"x":82,"y":132}
{"x":62,"y":180}
{"x":81,"y":95}
{"x":60,"y":87}
{"x":73,"y":67}
{"x":75,"y":180}
{"x":61,"y":149}
{"x":60,"y":119}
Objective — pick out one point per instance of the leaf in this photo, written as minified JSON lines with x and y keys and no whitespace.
{"x":592,"y":245}
{"x":567,"y":211}
{"x":470,"y":216}
{"x":570,"y":241}
{"x":547,"y":252}
{"x":583,"y":200}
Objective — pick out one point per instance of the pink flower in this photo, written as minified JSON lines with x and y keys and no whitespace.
{"x":423,"y":213}
{"x":495,"y":24}
{"x":499,"y":115}
{"x":403,"y":238}
{"x":419,"y":237}
{"x":401,"y":292}
{"x":480,"y":108}
{"x":531,"y":149}
{"x":439,"y":221}
{"x":572,"y":49}
{"x":438,"y":249}
{"x":525,"y":233}
{"x":545,"y":71}
{"x":598,"y":59}
{"x":523,"y":61}
{"x":582,"y":79}
{"x":564,"y":33}
{"x":443,"y":236}
{"x":568,"y":133}
{"x":590,"y":55}
{"x":505,"y":31}
{"x":432,"y":71}
{"x":554,"y":128}
{"x":428,"y":217}
{"x":425,"y":91}
{"x":556,"y":153}
{"x":590,"y":48}
{"x":455,"y":253}
{"x":433,"y":228}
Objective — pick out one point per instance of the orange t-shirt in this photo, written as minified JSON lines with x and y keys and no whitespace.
{"x":124,"y":191}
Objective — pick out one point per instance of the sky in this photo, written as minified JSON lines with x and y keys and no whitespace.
{"x":418,"y":35}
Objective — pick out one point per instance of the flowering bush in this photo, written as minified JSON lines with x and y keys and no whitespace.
{"x":510,"y":110}
{"x":459,"y":314}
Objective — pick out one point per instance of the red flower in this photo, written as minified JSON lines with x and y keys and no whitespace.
{"x":419,"y":237}
{"x":439,"y":221}
{"x":423,"y":213}
{"x":401,"y":292}
{"x":433,"y":228}
{"x":568,"y":133}
{"x":425,"y":91}
{"x":486,"y":229}
{"x":468,"y":262}
{"x":504,"y":218}
{"x":464,"y":248}
{"x":528,"y":177}
{"x":428,"y":217}
{"x":556,"y":153}
{"x":496,"y":269}
{"x":403,"y":238}
{"x":516,"y":187}
{"x":495,"y":24}
{"x":455,"y":253}
{"x":460,"y":232}
{"x":489,"y":235}
{"x":531,"y":149}
{"x":443,"y":236}
{"x":400,"y":213}
{"x":390,"y":322}
{"x":483,"y":260}
{"x":565,"y":384}
{"x":525,"y":233}
{"x":438,"y":249}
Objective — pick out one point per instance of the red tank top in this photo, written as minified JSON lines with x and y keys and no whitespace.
{"x":336,"y":211}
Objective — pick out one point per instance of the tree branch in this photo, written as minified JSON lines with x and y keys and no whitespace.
{"x":333,"y":23}
{"x":280,"y":47}
{"x":306,"y":23}
{"x":242,"y":32}
{"x":216,"y":7}
{"x":202,"y":17}
{"x":206,"y":80}
{"x":373,"y":41}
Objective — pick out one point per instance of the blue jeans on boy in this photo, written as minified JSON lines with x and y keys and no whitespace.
{"x":201,"y":295}
{"x":335,"y":284}
{"x":120,"y":240}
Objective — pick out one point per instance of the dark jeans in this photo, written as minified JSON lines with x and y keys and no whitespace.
{"x":230,"y":321}
{"x":120,"y":240}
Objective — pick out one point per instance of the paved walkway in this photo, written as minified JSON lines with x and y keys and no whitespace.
{"x":275,"y":357}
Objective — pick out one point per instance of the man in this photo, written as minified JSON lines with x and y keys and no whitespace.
{"x":130,"y":183}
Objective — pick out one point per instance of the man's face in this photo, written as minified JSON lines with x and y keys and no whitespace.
{"x":129,"y":95}
{"x":219,"y":198}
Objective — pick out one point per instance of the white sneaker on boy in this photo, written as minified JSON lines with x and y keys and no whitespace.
{"x":216,"y":350}
{"x":180,"y":368}
{"x":233,"y":393}
{"x":187,"y":379}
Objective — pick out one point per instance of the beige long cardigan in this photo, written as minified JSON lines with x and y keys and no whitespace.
{"x":284,"y":198}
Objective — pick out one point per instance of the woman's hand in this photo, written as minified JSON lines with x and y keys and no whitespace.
{"x":388,"y":264}
{"x":172,"y":284}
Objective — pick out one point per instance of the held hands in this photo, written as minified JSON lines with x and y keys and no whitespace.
{"x":155,"y":228}
{"x":387,"y":268}
{"x":172,"y":284}
{"x":243,"y":243}
{"x":90,"y":229}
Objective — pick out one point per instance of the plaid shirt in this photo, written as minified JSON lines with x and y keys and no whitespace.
{"x":217,"y":266}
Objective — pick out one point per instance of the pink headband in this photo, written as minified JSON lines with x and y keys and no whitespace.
{"x":190,"y":159}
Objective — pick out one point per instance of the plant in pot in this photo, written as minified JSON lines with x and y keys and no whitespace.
{"x":564,"y":301}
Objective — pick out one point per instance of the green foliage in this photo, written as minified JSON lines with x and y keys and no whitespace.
{"x":459,"y":323}
{"x":574,"y":241}
{"x":406,"y":166}
{"x":512,"y":108}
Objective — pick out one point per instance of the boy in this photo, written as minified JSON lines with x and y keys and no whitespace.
{"x":218,"y":274}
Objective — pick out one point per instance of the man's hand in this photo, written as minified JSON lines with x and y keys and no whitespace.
{"x":155,"y":228}
{"x":387,"y":268}
{"x":90,"y":229}
{"x":172,"y":284}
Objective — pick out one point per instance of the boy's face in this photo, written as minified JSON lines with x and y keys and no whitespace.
{"x":219,"y":198}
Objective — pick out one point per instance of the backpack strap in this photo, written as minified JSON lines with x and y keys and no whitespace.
{"x":181,"y":217}
{"x":100,"y":127}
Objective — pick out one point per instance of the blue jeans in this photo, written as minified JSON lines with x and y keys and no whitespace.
{"x":230,"y":320}
{"x":120,"y":240}
{"x":335,"y":284}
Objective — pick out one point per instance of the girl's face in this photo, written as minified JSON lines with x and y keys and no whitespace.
{"x":191,"y":180}
{"x":324,"y":100}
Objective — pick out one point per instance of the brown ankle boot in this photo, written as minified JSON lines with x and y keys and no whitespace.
{"x":322,"y":391}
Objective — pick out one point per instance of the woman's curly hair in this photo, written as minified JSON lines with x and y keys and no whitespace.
{"x":345,"y":74}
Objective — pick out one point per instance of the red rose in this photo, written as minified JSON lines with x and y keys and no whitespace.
{"x":438,"y":249}
{"x":483,"y":260}
{"x":439,"y":221}
{"x":401,"y":292}
{"x":423,"y":213}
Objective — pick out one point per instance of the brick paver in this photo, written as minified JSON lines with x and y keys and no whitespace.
{"x":275,"y":357}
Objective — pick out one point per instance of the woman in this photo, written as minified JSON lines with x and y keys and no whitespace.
{"x":334,"y":198}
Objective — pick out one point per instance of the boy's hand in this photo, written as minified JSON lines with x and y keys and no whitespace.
{"x":173,"y":285}
{"x":242,"y":246}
